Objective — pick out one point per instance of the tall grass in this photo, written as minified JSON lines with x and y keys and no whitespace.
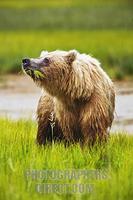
{"x":113,"y":49}
{"x":85,"y":17}
{"x":18,"y":152}
{"x":102,"y":28}
{"x":58,"y":3}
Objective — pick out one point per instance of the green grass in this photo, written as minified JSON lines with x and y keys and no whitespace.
{"x":113,"y":49}
{"x":58,"y":3}
{"x":85,"y":17}
{"x":18,"y":152}
{"x":101,"y":28}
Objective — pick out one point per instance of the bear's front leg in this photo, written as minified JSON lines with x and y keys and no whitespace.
{"x":44,"y":110}
{"x":44,"y":131}
{"x":48,"y":127}
{"x":48,"y":130}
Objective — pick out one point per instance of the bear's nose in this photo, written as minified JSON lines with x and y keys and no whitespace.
{"x":26,"y":62}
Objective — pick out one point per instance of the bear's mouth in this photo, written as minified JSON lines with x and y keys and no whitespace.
{"x":35,"y":74}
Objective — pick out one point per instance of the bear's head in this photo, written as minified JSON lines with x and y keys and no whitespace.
{"x":51,"y":69}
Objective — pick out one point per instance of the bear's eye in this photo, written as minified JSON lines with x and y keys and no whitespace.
{"x":46,"y":61}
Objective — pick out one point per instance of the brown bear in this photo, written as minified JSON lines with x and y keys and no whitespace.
{"x":78,"y":99}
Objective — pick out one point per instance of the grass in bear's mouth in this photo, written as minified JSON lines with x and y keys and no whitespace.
{"x":38,"y":74}
{"x":35,"y":73}
{"x":18,"y":152}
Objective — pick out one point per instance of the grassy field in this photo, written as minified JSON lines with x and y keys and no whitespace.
{"x":85,"y":17}
{"x":58,"y":3}
{"x":113,"y":49}
{"x":18,"y":153}
{"x":101,"y":28}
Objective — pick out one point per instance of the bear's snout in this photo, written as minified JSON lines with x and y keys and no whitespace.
{"x":26,"y":62}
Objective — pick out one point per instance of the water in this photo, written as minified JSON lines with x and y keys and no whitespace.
{"x":124,"y":114}
{"x":19,"y":98}
{"x":18,"y":105}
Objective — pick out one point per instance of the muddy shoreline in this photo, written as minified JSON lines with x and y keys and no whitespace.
{"x":19,"y":97}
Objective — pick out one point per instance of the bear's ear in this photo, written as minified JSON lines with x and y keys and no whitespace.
{"x":71,"y":56}
{"x":43,"y":53}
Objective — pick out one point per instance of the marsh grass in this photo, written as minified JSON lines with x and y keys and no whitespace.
{"x":101,"y":28}
{"x":113,"y":49}
{"x":18,"y":152}
{"x":59,"y":3}
{"x":85,"y":17}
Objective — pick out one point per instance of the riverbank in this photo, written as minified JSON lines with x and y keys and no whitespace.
{"x":19,"y":97}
